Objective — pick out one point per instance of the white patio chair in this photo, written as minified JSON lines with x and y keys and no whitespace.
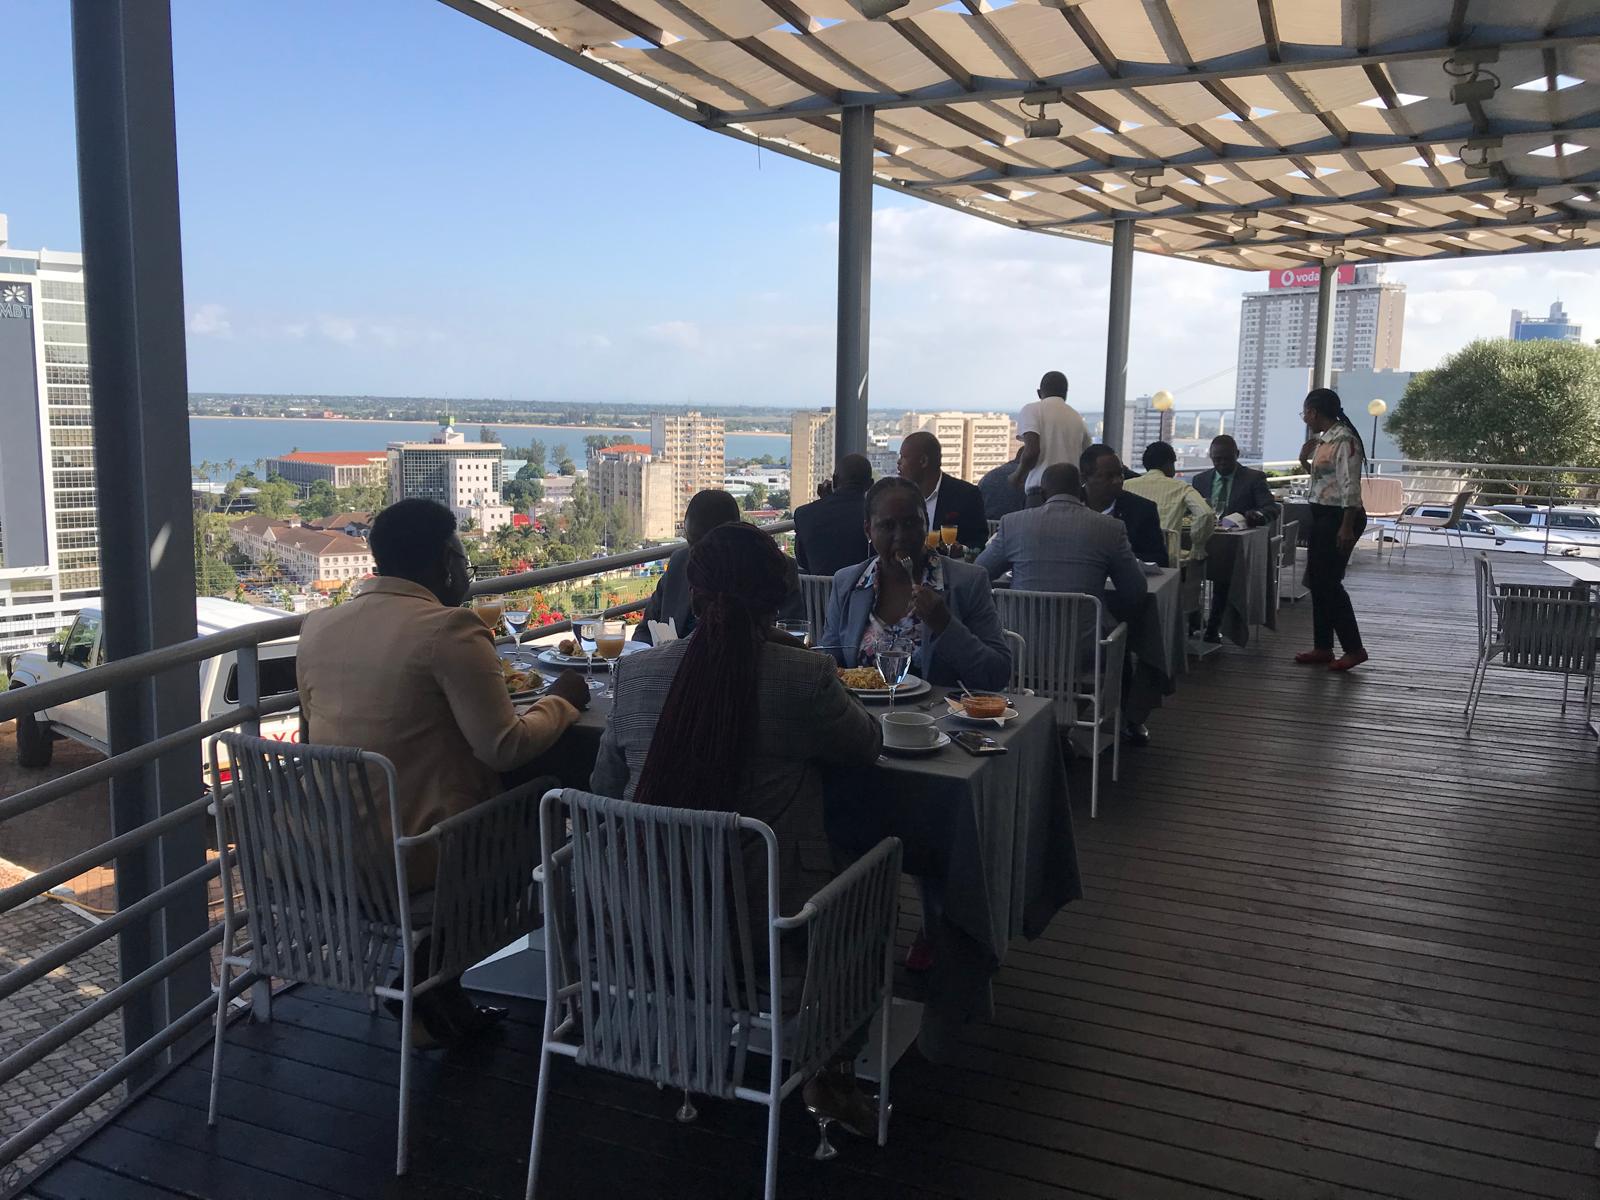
{"x":1289,"y":561}
{"x":652,"y":973}
{"x":1052,"y":663}
{"x":327,"y":899}
{"x":815,"y":590}
{"x":1534,"y":627}
{"x":1410,"y":521}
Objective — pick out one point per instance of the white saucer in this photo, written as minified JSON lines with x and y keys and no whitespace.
{"x":939,"y":743}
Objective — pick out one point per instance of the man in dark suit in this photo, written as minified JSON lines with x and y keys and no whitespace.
{"x":1002,"y":497}
{"x":827,"y":532}
{"x":1230,"y":487}
{"x":1103,"y":492}
{"x":670,"y":601}
{"x":950,"y":501}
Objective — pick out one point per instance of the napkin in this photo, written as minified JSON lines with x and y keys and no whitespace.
{"x":1233,"y":521}
{"x":662,"y":632}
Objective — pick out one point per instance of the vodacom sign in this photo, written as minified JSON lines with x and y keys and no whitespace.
{"x":1293,"y":277}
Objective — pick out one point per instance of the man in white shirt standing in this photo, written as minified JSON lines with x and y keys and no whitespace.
{"x":1052,"y":432}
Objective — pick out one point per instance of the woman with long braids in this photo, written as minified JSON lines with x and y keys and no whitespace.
{"x":740,"y":718}
{"x":1334,"y":459}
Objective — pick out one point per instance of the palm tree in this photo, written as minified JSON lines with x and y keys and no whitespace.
{"x":269,"y":565}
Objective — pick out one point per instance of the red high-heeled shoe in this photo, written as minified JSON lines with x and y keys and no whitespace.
{"x":1314,"y":656}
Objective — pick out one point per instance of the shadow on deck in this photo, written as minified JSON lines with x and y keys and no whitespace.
{"x":1330,"y":947}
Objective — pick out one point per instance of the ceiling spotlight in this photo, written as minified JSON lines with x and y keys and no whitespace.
{"x":1474,"y":91}
{"x":873,"y":9}
{"x":1149,"y":195}
{"x":1040,"y":127}
{"x":1474,"y":83}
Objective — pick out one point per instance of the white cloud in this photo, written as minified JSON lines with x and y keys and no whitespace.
{"x":210,"y":320}
{"x":337,"y":329}
{"x":684,"y":335}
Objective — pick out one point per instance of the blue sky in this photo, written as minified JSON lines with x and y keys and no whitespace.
{"x":419,"y":205}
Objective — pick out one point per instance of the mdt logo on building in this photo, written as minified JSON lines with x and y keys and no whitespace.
{"x":16,"y":301}
{"x":1294,"y":277}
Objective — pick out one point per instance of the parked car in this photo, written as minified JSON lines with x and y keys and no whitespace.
{"x":1479,"y":528}
{"x":84,"y":720}
{"x":1568,"y":523}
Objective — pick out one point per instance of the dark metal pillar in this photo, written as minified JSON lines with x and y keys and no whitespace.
{"x":1327,"y":302}
{"x":855,"y":281}
{"x":133,"y":281}
{"x":1117,"y":321}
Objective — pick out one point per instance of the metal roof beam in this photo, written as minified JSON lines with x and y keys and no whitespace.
{"x":1475,"y":187}
{"x":1335,"y":240}
{"x":1134,"y":75}
{"x":1236,"y":155}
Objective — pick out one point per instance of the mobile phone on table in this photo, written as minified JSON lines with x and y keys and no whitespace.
{"x":974,"y":742}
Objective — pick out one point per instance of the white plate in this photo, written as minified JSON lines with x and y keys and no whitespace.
{"x":912,"y":686}
{"x":939,"y":743}
{"x":551,"y":657}
{"x":1009,"y":715}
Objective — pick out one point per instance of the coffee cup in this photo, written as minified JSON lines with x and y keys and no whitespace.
{"x":909,"y":730}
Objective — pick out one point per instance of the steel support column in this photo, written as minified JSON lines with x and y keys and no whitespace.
{"x":1117,"y":320}
{"x":1327,"y":302}
{"x":133,"y":282}
{"x":855,"y":282}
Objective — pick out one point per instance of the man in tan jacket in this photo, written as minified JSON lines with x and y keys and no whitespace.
{"x":403,"y":671}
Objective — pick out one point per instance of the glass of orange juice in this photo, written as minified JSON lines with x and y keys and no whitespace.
{"x":947,"y":534}
{"x":490,"y":612}
{"x":932,"y":540}
{"x":609,"y":643}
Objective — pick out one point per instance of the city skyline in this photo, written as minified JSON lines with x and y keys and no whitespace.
{"x":716,"y":289}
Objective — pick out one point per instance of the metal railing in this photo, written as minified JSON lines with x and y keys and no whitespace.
{"x":146,"y":1052}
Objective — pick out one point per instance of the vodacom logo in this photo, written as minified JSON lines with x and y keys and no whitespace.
{"x":1287,"y":279}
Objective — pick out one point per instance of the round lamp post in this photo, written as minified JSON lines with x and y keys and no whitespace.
{"x":1162,"y":401}
{"x":1377,"y":408}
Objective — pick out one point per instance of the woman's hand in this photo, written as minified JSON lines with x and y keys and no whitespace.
{"x":931,"y":609}
{"x":1308,"y":451}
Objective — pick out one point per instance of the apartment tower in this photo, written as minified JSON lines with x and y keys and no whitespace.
{"x":693,"y":444}
{"x":810,"y":454}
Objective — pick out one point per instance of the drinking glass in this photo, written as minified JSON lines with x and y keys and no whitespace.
{"x":947,"y":534}
{"x":893,"y":662}
{"x":586,"y":626}
{"x":931,"y":542}
{"x":516,"y":620}
{"x":489,"y":612}
{"x":799,"y":630}
{"x":609,"y":641}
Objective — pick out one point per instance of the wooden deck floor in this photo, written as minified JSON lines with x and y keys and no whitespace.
{"x":1331,"y":947}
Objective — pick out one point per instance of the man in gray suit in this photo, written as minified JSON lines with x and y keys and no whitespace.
{"x":1065,"y":546}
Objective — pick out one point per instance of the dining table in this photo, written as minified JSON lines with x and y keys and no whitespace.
{"x":990,"y":836}
{"x":1238,"y":563}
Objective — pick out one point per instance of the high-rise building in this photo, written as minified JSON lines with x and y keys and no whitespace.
{"x":49,"y":529}
{"x":973,"y":443}
{"x":693,"y":444}
{"x":1143,"y":423}
{"x":463,"y":476}
{"x":1556,"y":327}
{"x":631,"y":478}
{"x":1278,"y":328}
{"x":810,"y":453}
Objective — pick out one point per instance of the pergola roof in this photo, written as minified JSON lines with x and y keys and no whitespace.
{"x":1260,"y":133}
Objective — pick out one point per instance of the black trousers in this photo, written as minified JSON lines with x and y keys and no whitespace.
{"x":1331,"y":611}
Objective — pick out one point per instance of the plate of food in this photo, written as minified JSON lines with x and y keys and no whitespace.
{"x":523,"y":681}
{"x":981,"y":708}
{"x":568,"y":653}
{"x":867,"y":683}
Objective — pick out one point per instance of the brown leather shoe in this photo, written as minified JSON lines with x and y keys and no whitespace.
{"x":1314,"y":656}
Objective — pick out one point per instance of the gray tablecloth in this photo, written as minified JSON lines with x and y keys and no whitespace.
{"x":1242,"y":558}
{"x":1155,"y":632}
{"x":995,"y":833}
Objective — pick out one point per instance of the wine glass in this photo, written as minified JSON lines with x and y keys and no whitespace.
{"x":609,"y":641}
{"x":894,"y":661}
{"x":490,"y":611}
{"x":587,"y":627}
{"x":947,"y":535}
{"x":516,"y":620}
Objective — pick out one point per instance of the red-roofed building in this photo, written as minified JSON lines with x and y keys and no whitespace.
{"x":341,"y":468}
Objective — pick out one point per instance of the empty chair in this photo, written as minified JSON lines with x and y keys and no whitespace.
{"x":652,"y":970}
{"x":1532,"y":627}
{"x":1066,"y":656}
{"x":326,"y":896}
{"x":1415,"y":520}
{"x":815,"y":591}
{"x":1288,"y":559}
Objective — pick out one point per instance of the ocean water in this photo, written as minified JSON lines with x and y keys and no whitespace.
{"x":245,"y":439}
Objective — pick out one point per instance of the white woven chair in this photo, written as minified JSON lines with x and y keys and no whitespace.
{"x":651,"y":971}
{"x":1530,"y":627}
{"x":1051,"y":663}
{"x":1288,"y":560}
{"x":327,"y":899}
{"x":815,"y":590}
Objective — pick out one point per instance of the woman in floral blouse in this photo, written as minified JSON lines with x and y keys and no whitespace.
{"x":1334,"y":459}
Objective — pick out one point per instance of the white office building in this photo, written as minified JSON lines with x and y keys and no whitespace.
{"x":49,"y":529}
{"x":1278,"y":329}
{"x":1143,"y":423}
{"x":463,"y":476}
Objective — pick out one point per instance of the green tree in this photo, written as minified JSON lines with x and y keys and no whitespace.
{"x":778,"y":500}
{"x":275,"y":498}
{"x":485,"y":434}
{"x":530,"y":471}
{"x":757,"y":496}
{"x":321,"y":501}
{"x":363,"y":497}
{"x":520,"y":493}
{"x":535,"y":454}
{"x":566,"y":467}
{"x":269,"y":566}
{"x":1498,"y":401}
